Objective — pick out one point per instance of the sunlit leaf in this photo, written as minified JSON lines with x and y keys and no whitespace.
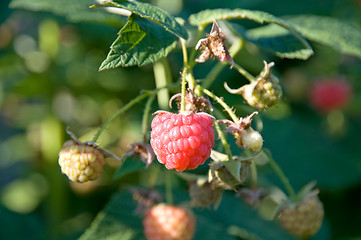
{"x":152,"y":13}
{"x":342,"y":36}
{"x":140,"y":42}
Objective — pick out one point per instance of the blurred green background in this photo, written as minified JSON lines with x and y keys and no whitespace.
{"x":49,"y":80}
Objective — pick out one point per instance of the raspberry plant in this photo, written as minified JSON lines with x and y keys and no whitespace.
{"x":214,"y":147}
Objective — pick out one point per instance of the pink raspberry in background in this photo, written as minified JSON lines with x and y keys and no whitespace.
{"x":330,"y":94}
{"x":182,"y":141}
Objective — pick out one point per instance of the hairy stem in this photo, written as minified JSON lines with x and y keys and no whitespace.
{"x":223,"y":141}
{"x":243,"y":71}
{"x":223,"y":104}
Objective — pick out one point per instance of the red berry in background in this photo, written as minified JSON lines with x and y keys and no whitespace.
{"x":164,"y":222}
{"x":330,"y":94}
{"x":182,"y":141}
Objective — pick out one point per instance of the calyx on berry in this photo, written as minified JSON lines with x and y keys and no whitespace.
{"x":265,"y":91}
{"x":245,"y":136}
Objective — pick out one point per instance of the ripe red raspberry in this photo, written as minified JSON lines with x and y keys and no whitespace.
{"x":303,"y":219}
{"x":327,"y":95}
{"x":168,"y":223}
{"x":182,"y":141}
{"x":81,"y":162}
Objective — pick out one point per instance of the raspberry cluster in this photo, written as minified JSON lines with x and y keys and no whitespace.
{"x":168,"y":222}
{"x":182,"y":141}
{"x":81,"y":162}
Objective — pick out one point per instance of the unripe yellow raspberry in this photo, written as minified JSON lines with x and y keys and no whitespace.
{"x":81,"y":162}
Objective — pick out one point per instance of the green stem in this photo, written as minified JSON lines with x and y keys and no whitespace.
{"x":217,"y":69}
{"x":184,"y":74}
{"x":163,"y":76}
{"x":120,"y":111}
{"x":281,"y":175}
{"x":223,"y":104}
{"x":243,"y":71}
{"x":146,"y":117}
{"x":223,"y":140}
{"x":168,"y":187}
{"x":254,"y":175}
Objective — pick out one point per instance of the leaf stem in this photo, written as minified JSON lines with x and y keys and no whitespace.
{"x":120,"y":111}
{"x":222,"y":103}
{"x":145,"y":119}
{"x":281,"y":175}
{"x":223,"y":141}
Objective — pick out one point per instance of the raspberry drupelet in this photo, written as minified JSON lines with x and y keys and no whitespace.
{"x":182,"y":141}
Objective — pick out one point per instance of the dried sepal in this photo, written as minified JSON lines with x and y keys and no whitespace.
{"x":214,"y":45}
{"x":144,"y":150}
{"x":193,"y":103}
{"x":145,"y":198}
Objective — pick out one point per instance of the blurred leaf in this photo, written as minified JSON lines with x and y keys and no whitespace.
{"x":332,"y":32}
{"x":152,"y":13}
{"x":31,"y":225}
{"x":297,"y":46}
{"x":130,"y":165}
{"x":74,"y":11}
{"x":140,"y":42}
{"x":275,"y":39}
{"x":310,"y":154}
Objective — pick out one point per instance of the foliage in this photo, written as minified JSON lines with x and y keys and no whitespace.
{"x":49,"y":79}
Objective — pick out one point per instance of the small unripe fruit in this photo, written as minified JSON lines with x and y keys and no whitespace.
{"x":81,"y":162}
{"x":252,"y":139}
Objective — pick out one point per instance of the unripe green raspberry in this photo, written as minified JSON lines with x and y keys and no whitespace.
{"x":264,"y":93}
{"x":303,"y":219}
{"x":252,"y":139}
{"x":81,"y":162}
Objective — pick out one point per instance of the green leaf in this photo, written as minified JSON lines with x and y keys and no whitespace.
{"x":152,"y":13}
{"x":342,"y":36}
{"x":275,"y":39}
{"x":140,"y":42}
{"x":74,"y":11}
{"x":116,"y":221}
{"x":301,"y":49}
{"x":129,"y":166}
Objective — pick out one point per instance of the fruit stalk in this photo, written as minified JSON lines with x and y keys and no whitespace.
{"x":281,"y":175}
